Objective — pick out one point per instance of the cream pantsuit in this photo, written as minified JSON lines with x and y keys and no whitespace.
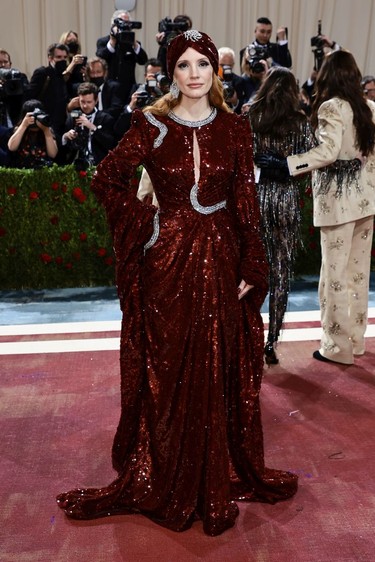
{"x":344,"y":209}
{"x":343,"y":288}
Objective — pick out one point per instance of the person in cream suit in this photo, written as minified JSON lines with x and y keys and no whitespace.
{"x":344,"y":202}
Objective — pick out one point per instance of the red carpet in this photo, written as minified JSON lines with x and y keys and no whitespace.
{"x":59,"y":412}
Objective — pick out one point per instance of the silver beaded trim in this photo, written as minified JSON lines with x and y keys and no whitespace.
{"x":206,"y":121}
{"x":155,"y":234}
{"x":162,"y":128}
{"x":202,"y":209}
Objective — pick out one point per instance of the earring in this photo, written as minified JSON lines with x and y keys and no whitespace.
{"x":174,"y":90}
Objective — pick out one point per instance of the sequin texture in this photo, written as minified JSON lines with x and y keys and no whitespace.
{"x":189,"y":440}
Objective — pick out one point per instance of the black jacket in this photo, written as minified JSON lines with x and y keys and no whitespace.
{"x":50,"y":88}
{"x":279,"y":53}
{"x":102,"y":140}
{"x":121,"y":64}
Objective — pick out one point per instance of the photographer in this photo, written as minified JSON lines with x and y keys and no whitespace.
{"x":321,"y":45}
{"x":109,"y":96}
{"x":234,"y":90}
{"x":253,"y":73}
{"x":13,"y":84}
{"x":88,"y":136}
{"x":48,"y":85}
{"x":167,"y":30}
{"x":32,"y":144}
{"x":155,"y":85}
{"x":121,"y":51}
{"x":276,"y":54}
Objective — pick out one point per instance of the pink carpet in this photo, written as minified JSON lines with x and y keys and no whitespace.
{"x":58,"y":416}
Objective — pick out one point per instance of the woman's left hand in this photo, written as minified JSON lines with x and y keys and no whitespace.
{"x":243,"y":289}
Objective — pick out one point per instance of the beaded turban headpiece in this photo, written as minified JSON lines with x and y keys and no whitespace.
{"x":197,"y":40}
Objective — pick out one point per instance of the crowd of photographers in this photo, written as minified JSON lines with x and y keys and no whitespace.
{"x":74,"y":110}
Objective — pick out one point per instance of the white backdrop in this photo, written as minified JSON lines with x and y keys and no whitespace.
{"x":27,"y":27}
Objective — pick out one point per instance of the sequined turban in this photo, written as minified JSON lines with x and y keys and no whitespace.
{"x":196,"y":40}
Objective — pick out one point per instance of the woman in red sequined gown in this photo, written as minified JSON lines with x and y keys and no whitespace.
{"x":191,"y":279}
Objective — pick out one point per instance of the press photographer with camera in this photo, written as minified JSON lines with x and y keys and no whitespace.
{"x":276,"y":54}
{"x":13,"y":84}
{"x":33,"y":143}
{"x":156,"y":84}
{"x":167,"y":30}
{"x":233,"y":85}
{"x":122,"y":51}
{"x":48,"y":85}
{"x":109,"y":96}
{"x":253,"y":73}
{"x":88,"y":136}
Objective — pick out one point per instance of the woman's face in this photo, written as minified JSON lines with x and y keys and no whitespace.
{"x":193,"y":74}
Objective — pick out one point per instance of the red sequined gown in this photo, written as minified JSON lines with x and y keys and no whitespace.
{"x":189,"y":442}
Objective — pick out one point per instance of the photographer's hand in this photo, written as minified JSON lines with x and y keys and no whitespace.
{"x":281,"y":34}
{"x":85,"y":122}
{"x":70,"y":135}
{"x":16,"y":138}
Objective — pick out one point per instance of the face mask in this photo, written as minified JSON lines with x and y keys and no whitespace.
{"x":73,"y":47}
{"x":97,"y":81}
{"x":60,"y":66}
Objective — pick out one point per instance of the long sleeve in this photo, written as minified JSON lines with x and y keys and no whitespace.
{"x":130,"y":220}
{"x":330,"y":133}
{"x":254,"y":267}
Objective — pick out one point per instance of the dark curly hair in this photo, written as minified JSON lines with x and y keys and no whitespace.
{"x":340,"y":77}
{"x":276,"y":106}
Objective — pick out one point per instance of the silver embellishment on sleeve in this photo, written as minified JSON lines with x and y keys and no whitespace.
{"x":155,"y":234}
{"x":162,"y":128}
{"x":205,"y":210}
{"x":193,"y":35}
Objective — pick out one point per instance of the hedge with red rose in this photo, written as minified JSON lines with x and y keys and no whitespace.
{"x":53,"y":232}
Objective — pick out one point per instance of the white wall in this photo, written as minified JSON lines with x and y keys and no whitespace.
{"x":27,"y":27}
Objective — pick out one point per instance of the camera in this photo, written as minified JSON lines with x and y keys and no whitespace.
{"x":125,"y":35}
{"x":163,"y":82}
{"x":171,"y":29}
{"x":256,"y":53}
{"x":226,"y":76}
{"x":75,"y":113}
{"x":317,"y":46}
{"x":146,"y":93}
{"x":41,"y":116}
{"x":11,"y":83}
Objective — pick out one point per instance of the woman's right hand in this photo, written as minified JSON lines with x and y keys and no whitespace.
{"x":28,"y":121}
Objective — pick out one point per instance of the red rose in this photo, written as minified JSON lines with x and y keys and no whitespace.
{"x":55,"y":186}
{"x":59,"y":260}
{"x":102,"y":252}
{"x":12,"y":190}
{"x":82,"y":173}
{"x":46,"y":258}
{"x":109,"y":260}
{"x":34,"y":195}
{"x":64,"y":189}
{"x":2,"y":231}
{"x":83,"y":236}
{"x":79,"y":195}
{"x":54,"y":220}
{"x":65,"y":236}
{"x":302,"y":203}
{"x":69,"y":265}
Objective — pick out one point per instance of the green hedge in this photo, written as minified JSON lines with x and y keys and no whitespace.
{"x":53,"y":233}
